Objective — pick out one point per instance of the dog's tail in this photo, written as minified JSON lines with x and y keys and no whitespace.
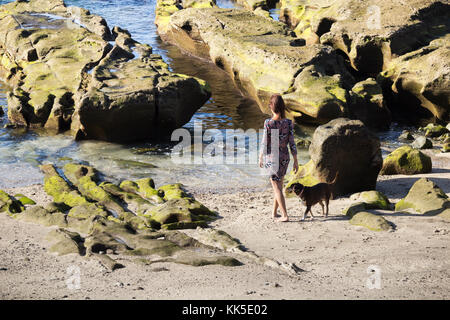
{"x":335,"y":178}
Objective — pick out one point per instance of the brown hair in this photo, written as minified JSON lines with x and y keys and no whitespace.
{"x":276,"y":104}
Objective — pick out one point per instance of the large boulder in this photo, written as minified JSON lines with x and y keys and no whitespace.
{"x":69,"y":76}
{"x":263,"y":57}
{"x":424,"y":197}
{"x":406,"y":160}
{"x":346,"y":150}
{"x":371,"y":221}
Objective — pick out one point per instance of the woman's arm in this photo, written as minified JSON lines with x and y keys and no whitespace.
{"x":292,"y":145}
{"x":265,"y":143}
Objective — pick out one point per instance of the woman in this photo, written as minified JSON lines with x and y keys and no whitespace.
{"x":278,"y":163}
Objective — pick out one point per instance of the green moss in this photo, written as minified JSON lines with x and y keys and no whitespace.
{"x":10,"y":205}
{"x":24,"y":199}
{"x":375,"y":200}
{"x":146,"y":188}
{"x":406,"y":160}
{"x":173,"y":191}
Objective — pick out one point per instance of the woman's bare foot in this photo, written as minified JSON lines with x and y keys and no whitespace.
{"x":275,"y":215}
{"x":283,"y":219}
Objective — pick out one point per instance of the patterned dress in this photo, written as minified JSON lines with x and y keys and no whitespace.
{"x":275,"y":163}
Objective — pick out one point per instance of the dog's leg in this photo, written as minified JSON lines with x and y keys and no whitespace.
{"x":323,"y":208}
{"x":304,"y":213}
{"x":327,"y":201}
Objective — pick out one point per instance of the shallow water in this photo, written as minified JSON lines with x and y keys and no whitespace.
{"x":22,"y":151}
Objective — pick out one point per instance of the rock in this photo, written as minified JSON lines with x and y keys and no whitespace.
{"x":39,"y":215}
{"x":424,"y":197}
{"x":198,"y":261}
{"x":416,"y":83}
{"x":306,"y":175}
{"x":345,"y":149}
{"x":184,"y":210}
{"x":24,"y":200}
{"x":360,"y":31}
{"x":263,"y":57}
{"x":61,"y":191}
{"x":10,"y":205}
{"x":64,"y":76}
{"x":446,"y":147}
{"x":354,"y":209}
{"x":367,"y":104}
{"x":406,"y":160}
{"x":65,"y":242}
{"x":445,"y":215}
{"x":435,"y":130}
{"x":406,"y":136}
{"x":218,"y":239}
{"x":374,"y":200}
{"x":370,"y":221}
{"x":422,"y":143}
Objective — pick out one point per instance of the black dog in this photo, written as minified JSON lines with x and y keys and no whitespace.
{"x":318,"y":193}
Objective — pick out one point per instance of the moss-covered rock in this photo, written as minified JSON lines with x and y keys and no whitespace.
{"x":39,"y":215}
{"x":24,"y":200}
{"x":370,"y":221}
{"x":306,"y":175}
{"x":10,"y":205}
{"x":183,"y":210}
{"x":80,"y":77}
{"x":406,"y":160}
{"x":354,"y":209}
{"x":374,"y":200}
{"x":446,"y":147}
{"x":434,"y":130}
{"x":424,"y":197}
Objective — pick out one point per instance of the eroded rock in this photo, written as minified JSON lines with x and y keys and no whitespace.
{"x":263,"y":58}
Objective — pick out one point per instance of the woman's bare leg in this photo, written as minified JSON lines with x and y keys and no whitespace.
{"x":275,"y":208}
{"x":278,"y":191}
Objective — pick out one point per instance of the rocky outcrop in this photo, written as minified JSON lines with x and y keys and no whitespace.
{"x":367,"y":104}
{"x":406,"y":160}
{"x":368,"y":33}
{"x":68,"y":76}
{"x":346,"y":150}
{"x":407,"y":41}
{"x":417,"y":82}
{"x":263,"y":57}
{"x":425,"y":197}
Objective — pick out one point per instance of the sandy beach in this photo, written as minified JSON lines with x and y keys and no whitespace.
{"x":413,"y":260}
